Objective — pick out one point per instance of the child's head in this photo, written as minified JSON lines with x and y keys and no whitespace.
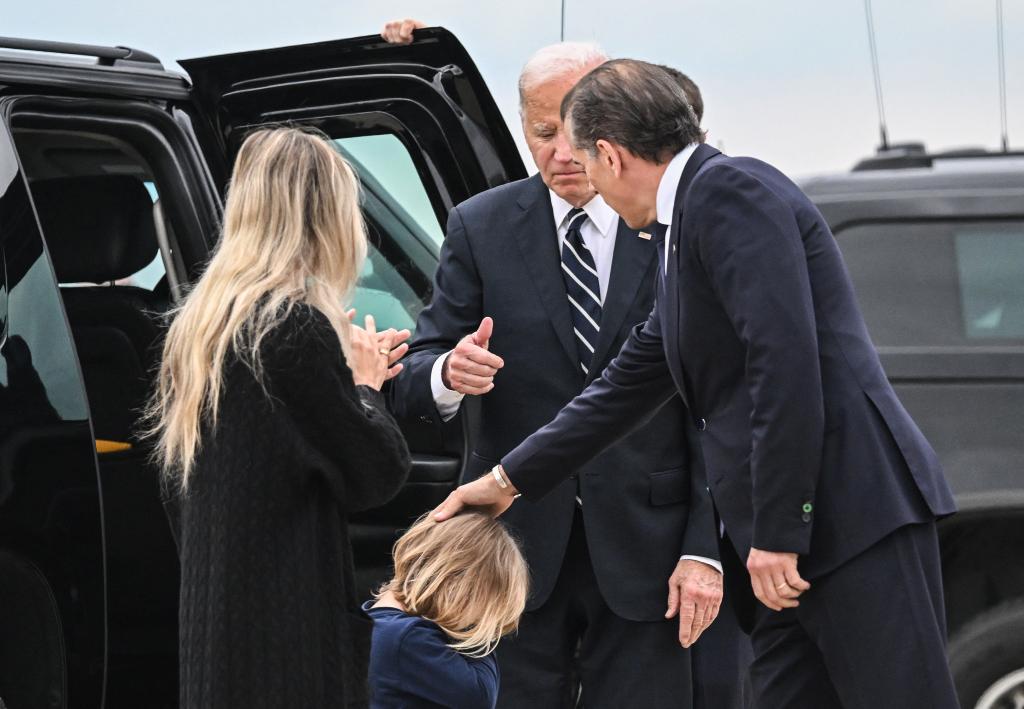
{"x":466,"y":574}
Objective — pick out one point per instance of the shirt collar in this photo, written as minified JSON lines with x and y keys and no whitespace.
{"x":669,"y":185}
{"x":603,"y":216}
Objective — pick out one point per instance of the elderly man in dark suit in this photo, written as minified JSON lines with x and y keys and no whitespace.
{"x":825,"y":486}
{"x":539,"y":284}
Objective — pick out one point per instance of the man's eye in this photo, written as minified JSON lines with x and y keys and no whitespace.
{"x":545,"y":135}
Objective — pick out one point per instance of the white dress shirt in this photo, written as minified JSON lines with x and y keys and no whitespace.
{"x":667,"y":188}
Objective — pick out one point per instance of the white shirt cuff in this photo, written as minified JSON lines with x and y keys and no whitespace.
{"x":716,"y":565}
{"x":446,"y":400}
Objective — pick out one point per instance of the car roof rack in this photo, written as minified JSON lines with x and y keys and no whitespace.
{"x":907,"y":155}
{"x":105,"y":56}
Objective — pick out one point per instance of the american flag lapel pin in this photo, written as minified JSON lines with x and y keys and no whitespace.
{"x":644,"y":235}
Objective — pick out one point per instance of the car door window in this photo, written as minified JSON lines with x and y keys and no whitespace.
{"x":403,"y":230}
{"x":385,"y":159}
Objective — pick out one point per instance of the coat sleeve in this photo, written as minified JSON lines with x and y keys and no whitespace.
{"x":750,"y":246}
{"x":629,"y":392}
{"x":347,"y":431}
{"x":701,"y":535}
{"x":455,"y":311}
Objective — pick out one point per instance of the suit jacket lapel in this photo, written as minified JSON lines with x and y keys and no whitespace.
{"x":632,"y":258}
{"x":670,"y":305}
{"x":538,"y":241}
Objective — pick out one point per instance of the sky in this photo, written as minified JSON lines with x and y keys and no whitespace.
{"x":789,"y":82}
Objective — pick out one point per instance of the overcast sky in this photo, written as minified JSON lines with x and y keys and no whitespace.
{"x":789,"y":82}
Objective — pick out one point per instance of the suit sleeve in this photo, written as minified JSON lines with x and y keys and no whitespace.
{"x":629,"y":392}
{"x":455,"y":310}
{"x":751,"y":248}
{"x":701,"y":535}
{"x":345,"y":430}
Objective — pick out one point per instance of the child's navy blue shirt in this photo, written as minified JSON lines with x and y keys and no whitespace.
{"x":412,"y":667}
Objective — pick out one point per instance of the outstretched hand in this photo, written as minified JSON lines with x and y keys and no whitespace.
{"x":483,"y":493}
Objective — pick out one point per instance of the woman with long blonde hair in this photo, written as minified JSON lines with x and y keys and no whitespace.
{"x":270,"y":428}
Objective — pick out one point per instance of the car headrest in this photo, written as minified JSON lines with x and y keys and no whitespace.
{"x":98,"y":228}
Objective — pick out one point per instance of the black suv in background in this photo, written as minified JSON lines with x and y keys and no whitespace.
{"x":112,"y":172}
{"x":935,"y":247}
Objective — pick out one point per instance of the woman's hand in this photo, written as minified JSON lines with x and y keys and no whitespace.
{"x":370,"y":354}
{"x":392,"y":339}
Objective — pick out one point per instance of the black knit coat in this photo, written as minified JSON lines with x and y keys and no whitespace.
{"x":269,"y":614}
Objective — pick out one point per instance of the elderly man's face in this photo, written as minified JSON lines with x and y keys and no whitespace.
{"x":547,"y":141}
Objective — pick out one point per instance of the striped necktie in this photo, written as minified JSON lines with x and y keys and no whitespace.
{"x":582,"y":288}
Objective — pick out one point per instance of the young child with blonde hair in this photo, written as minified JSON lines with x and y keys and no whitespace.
{"x":459,"y":587}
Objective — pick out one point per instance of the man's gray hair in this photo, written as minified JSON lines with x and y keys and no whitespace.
{"x":557,"y":60}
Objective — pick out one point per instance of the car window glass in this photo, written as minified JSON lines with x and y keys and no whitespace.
{"x":385,"y":294}
{"x":39,"y":379}
{"x":939,"y":284}
{"x":403,"y":231}
{"x":148,"y":277}
{"x":384,"y":159}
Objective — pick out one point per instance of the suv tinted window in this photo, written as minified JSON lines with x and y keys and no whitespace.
{"x":939,"y":284}
{"x":386,"y":159}
{"x":403,"y":228}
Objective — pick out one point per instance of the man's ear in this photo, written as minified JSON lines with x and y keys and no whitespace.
{"x":609,"y":155}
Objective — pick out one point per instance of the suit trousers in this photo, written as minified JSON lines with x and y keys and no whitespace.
{"x":869,"y":635}
{"x":575,"y":651}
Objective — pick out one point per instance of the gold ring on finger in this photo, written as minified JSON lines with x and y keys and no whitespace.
{"x":384,"y":351}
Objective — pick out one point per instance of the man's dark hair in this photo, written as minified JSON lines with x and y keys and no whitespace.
{"x":689,"y":88}
{"x":638,"y":105}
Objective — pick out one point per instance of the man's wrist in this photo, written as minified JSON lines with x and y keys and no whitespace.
{"x":444,"y":372}
{"x":713,"y":563}
{"x":502,"y":481}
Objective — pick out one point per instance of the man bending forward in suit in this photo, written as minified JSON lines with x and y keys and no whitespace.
{"x":826,"y":488}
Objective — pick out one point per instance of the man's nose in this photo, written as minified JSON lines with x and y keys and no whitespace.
{"x":562,"y":152}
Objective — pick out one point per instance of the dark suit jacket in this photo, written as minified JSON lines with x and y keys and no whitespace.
{"x":806,"y":446}
{"x":642,"y":507}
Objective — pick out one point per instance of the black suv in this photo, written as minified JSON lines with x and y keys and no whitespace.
{"x":112,"y":172}
{"x":935,"y":247}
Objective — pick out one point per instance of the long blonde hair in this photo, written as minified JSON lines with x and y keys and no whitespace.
{"x":293,"y":233}
{"x":467,"y":575}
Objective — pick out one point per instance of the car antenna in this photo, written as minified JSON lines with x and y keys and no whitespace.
{"x":1002,"y":75}
{"x":562,"y":37}
{"x":878,"y":76}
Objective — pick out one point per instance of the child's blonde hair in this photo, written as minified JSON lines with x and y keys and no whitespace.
{"x":467,"y":575}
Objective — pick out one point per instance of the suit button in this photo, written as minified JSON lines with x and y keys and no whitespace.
{"x":702,"y":425}
{"x":573,"y":476}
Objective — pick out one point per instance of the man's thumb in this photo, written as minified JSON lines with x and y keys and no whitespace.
{"x":482,"y":336}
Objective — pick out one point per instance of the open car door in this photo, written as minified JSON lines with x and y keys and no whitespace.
{"x":421,"y":128}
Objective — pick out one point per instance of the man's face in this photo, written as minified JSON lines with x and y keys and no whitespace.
{"x":608,"y":178}
{"x":547,"y":141}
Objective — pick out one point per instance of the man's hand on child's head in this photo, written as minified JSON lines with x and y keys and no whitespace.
{"x":483,"y":494}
